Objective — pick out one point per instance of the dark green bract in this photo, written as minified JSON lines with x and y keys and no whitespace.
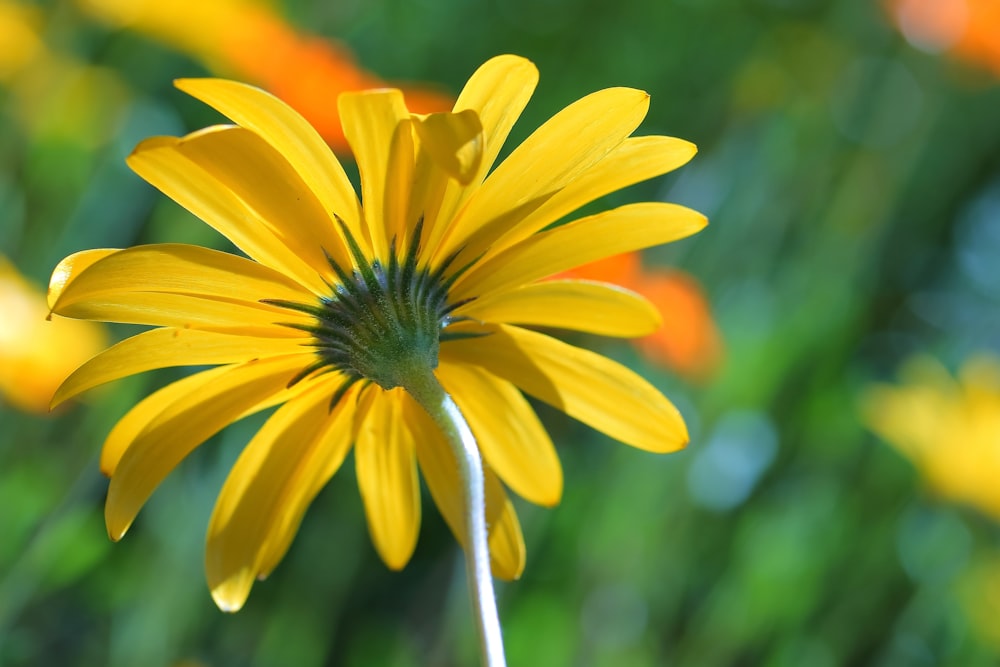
{"x":381,"y":323}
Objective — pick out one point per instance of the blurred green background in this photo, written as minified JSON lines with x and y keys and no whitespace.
{"x":852,"y":181}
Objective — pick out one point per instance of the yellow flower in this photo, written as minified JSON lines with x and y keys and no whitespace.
{"x":949,"y":430}
{"x":50,"y":93}
{"x":441,"y":268}
{"x":20,"y":44}
{"x":36,"y":353}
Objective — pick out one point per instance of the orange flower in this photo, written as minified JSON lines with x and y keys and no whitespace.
{"x":307,"y":72}
{"x":36,"y":354}
{"x":688,"y":342}
{"x":967,"y":29}
{"x":620,"y":270}
{"x":249,"y":41}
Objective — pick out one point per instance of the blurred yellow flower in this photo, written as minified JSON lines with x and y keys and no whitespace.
{"x":54,"y":95}
{"x":338,"y":303}
{"x":250,"y":41}
{"x":949,"y":429}
{"x":37,"y":354}
{"x":20,"y":43}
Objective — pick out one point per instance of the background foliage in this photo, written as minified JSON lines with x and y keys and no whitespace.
{"x":852,"y":181}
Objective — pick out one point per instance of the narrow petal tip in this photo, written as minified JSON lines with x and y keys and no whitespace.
{"x":677,"y":440}
{"x":231,"y":593}
{"x":187,"y":84}
{"x":114,"y":525}
{"x":151,"y":143}
{"x":556,"y":496}
{"x":225,"y":603}
{"x":68,"y":269}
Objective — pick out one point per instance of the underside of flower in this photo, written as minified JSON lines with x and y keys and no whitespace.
{"x":381,"y":322}
{"x":377,"y":306}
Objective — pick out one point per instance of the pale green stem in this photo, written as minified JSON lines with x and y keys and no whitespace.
{"x":429,"y":393}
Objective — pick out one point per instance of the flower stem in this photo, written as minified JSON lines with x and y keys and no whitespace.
{"x":429,"y":393}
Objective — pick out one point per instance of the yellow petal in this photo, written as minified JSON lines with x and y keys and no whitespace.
{"x":148,"y":410}
{"x":441,"y":473}
{"x":497,"y":92}
{"x":233,"y":180}
{"x":265,"y":489}
{"x":158,"y":162}
{"x":145,"y":411}
{"x":168,"y":268}
{"x":580,"y":242}
{"x":399,"y":184}
{"x":636,"y":159}
{"x":507,"y":552}
{"x":69,"y":268}
{"x":448,"y":150}
{"x":454,"y":141}
{"x":290,"y":135}
{"x":578,"y":305}
{"x":166,"y":347}
{"x":587,"y":386}
{"x":315,"y":470}
{"x":512,"y":439}
{"x":189,"y":312}
{"x":364,"y":401}
{"x":183,"y":425}
{"x":427,"y":189}
{"x":370,"y":120}
{"x":572,"y":141}
{"x":387,"y":479}
{"x":175,"y":285}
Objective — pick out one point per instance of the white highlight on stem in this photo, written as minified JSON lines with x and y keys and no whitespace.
{"x":442,"y":409}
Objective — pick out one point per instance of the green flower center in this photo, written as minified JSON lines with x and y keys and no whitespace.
{"x":381,"y":323}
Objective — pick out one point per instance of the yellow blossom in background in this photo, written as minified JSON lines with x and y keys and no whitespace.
{"x":19,"y":44}
{"x":250,"y":41}
{"x":54,"y":95}
{"x":37,"y":354}
{"x":949,"y":428}
{"x":442,"y":266}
